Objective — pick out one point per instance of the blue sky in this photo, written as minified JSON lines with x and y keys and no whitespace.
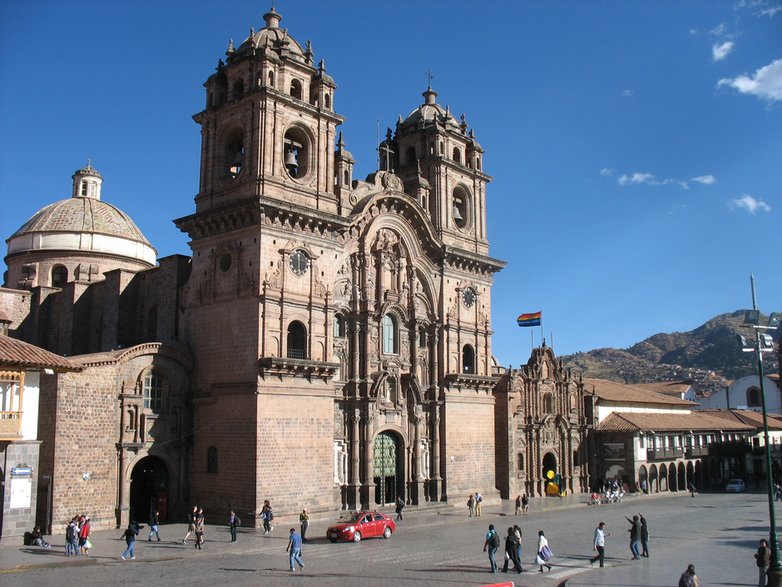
{"x":636,"y":147}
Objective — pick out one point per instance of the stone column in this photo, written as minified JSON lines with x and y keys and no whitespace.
{"x":435,"y":489}
{"x":354,"y":488}
{"x":123,"y":507}
{"x":368,"y":481}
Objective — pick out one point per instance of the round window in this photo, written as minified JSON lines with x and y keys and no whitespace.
{"x":299,"y":262}
{"x":225,"y":262}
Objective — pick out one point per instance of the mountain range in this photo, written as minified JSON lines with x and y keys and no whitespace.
{"x":709,"y":357}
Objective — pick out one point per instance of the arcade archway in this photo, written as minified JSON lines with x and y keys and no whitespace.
{"x":149,"y":489}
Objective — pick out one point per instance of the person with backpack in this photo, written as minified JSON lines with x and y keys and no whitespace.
{"x":400,"y":505}
{"x":233,"y":522}
{"x":491,"y":544}
{"x":72,"y":537}
{"x":471,"y":504}
{"x":130,"y":539}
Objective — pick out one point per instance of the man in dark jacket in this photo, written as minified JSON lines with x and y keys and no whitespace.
{"x":644,"y":537}
{"x":762,"y":560}
{"x":635,"y":536}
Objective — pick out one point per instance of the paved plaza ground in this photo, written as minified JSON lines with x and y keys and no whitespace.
{"x":716,"y":532}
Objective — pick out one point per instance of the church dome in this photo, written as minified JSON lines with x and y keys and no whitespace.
{"x":430,"y":112}
{"x":85,"y":225}
{"x":274,"y":38}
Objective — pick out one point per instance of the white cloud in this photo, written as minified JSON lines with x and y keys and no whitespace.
{"x":626,"y":93}
{"x":750,"y":204}
{"x":765,"y":83}
{"x":719,"y":30}
{"x":639,"y":178}
{"x":606,"y":172}
{"x":771,"y":12}
{"x":720,"y":51}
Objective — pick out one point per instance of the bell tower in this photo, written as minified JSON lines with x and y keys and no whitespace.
{"x":432,"y":148}
{"x":269,"y":125}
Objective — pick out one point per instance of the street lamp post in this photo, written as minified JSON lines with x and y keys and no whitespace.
{"x":761,"y":344}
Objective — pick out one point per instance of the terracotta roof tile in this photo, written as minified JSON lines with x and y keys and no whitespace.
{"x":15,"y":353}
{"x":623,"y":393}
{"x":636,"y":421}
{"x":749,"y":417}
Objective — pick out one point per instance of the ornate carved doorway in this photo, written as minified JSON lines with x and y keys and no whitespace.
{"x":388,"y":474}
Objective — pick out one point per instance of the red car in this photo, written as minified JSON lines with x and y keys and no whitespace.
{"x":353,"y":527}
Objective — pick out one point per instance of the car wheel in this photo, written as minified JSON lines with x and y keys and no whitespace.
{"x":333,"y":540}
{"x":357,"y":536}
{"x":387,"y":533}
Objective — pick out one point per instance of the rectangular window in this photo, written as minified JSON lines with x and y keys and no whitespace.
{"x":153,"y":393}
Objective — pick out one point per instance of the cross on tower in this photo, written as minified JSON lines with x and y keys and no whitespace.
{"x":429,"y":78}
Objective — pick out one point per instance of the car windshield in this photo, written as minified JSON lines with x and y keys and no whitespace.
{"x":734,"y":482}
{"x":354,"y":517}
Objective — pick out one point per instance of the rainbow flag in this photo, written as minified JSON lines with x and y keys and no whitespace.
{"x":529,"y":319}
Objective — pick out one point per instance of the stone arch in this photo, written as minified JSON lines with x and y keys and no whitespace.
{"x":653,"y":486}
{"x":673,"y":483}
{"x":663,"y":481}
{"x":141,"y":487}
{"x":682,"y":477}
{"x":643,"y":476}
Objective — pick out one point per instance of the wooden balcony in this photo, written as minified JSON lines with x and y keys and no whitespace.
{"x":696,"y":451}
{"x":10,"y":425}
{"x":658,"y":454}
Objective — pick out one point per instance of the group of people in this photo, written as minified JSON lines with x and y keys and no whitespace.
{"x":195,"y":525}
{"x":474,"y":501}
{"x":522,"y":504}
{"x":513,"y":549}
{"x":77,"y":536}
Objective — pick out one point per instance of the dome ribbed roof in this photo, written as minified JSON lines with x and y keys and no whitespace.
{"x":274,"y":38}
{"x":83,"y":215}
{"x":430,"y":111}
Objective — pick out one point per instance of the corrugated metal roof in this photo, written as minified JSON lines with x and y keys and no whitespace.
{"x":19,"y":354}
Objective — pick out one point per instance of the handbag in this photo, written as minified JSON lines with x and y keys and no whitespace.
{"x":546,"y":553}
{"x":87,"y":544}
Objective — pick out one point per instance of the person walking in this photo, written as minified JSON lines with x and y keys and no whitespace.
{"x":491,"y":544}
{"x":762,"y":560}
{"x":517,"y":531}
{"x":199,"y":529}
{"x":130,"y":539}
{"x":294,"y":550}
{"x":689,"y":578}
{"x":471,"y":505}
{"x":478,"y":501}
{"x":233,"y":522}
{"x":544,"y":552}
{"x":517,"y":510}
{"x":304,"y":523}
{"x":267,"y":515}
{"x":635,"y":536}
{"x":644,"y":537}
{"x":400,"y":505}
{"x":525,"y":504}
{"x":599,"y":545}
{"x":191,"y":520}
{"x":511,"y":552}
{"x":154,"y":521}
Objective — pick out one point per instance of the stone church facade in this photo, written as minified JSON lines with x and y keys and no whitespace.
{"x":327,"y":345}
{"x":544,"y":427}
